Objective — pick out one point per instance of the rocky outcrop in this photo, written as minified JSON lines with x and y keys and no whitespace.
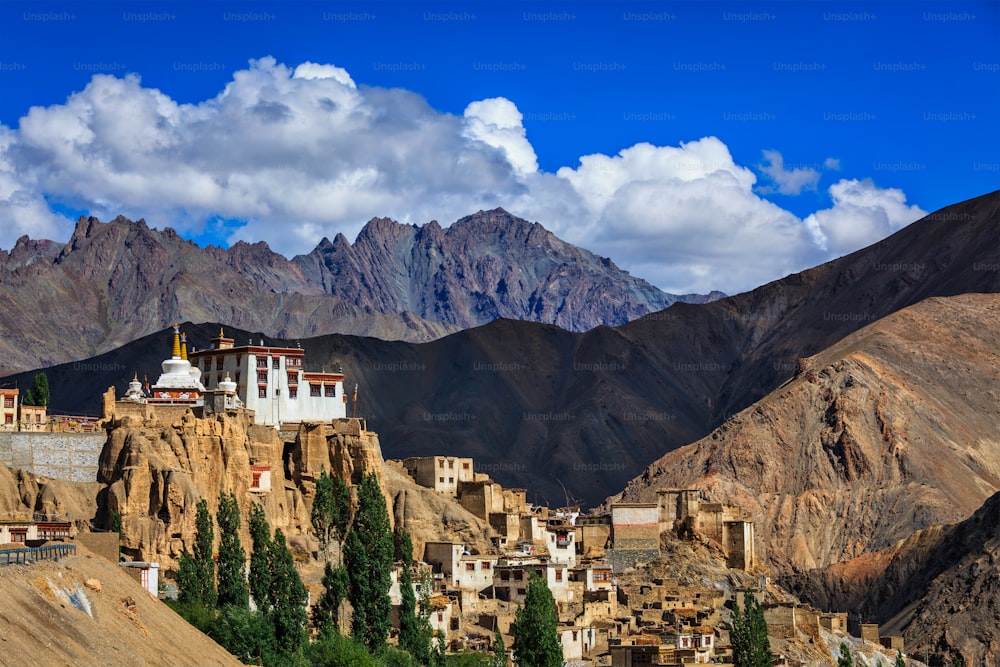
{"x":430,"y":517}
{"x":155,"y":471}
{"x":24,"y":495}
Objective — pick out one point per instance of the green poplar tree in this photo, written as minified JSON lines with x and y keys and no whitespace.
{"x":342,"y":507}
{"x":748,"y":635}
{"x":232,"y":557}
{"x":188,"y":584}
{"x":260,"y":570}
{"x":196,"y":575}
{"x":536,"y":628}
{"x":499,"y":649}
{"x":414,"y":630}
{"x":368,"y":558}
{"x":321,"y":514}
{"x":326,"y":610}
{"x":203,"y":561}
{"x":900,"y":660}
{"x":845,"y":659}
{"x":288,"y":597}
{"x":41,"y":393}
{"x":330,"y":510}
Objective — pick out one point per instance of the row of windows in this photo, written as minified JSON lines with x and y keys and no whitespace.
{"x":34,"y":417}
{"x":290,"y":362}
{"x":471,"y":566}
{"x":451,"y":464}
{"x":293,"y":392}
{"x":329,"y":390}
{"x":505,"y":575}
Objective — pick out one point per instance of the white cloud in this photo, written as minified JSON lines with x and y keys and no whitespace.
{"x":309,"y":70}
{"x":832,"y":163}
{"x":497,"y":122}
{"x":688,"y":215}
{"x":787,"y":181}
{"x":303,"y":152}
{"x":862,"y":214}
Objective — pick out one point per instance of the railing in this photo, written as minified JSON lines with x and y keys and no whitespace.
{"x":35,"y":517}
{"x":29,"y":555}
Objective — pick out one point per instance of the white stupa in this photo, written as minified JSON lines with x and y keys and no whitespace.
{"x":134,"y":393}
{"x":180,"y":382}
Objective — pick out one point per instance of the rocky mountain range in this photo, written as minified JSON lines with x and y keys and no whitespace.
{"x":579,"y":415}
{"x":483,"y":267}
{"x":114,"y":282}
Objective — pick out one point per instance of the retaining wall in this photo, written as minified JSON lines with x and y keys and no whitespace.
{"x":68,"y":456}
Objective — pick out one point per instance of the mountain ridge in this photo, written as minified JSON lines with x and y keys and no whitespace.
{"x":114,"y":281}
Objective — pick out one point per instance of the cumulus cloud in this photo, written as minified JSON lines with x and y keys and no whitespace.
{"x":292,"y":154}
{"x":862,"y":213}
{"x":497,"y":122}
{"x":787,"y":181}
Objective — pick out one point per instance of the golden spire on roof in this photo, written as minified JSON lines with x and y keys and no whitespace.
{"x":184,"y":346}
{"x":176,"y":353}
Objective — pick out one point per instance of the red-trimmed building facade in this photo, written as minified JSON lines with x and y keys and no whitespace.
{"x":271,"y":382}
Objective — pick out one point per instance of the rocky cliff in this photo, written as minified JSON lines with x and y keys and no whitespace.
{"x":156,"y":467}
{"x":24,"y":495}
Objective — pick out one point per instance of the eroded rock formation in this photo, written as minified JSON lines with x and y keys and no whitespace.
{"x":155,"y":470}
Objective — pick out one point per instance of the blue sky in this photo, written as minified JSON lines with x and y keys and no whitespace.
{"x":700,"y":145}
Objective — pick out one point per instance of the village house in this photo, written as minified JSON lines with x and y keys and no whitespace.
{"x":728,"y":525}
{"x":441,"y":473}
{"x":8,"y":409}
{"x":147,"y":574}
{"x":31,"y":532}
{"x":511,"y":574}
{"x":16,"y":416}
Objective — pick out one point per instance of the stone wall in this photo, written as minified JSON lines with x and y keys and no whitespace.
{"x":622,"y":559}
{"x":71,"y":457}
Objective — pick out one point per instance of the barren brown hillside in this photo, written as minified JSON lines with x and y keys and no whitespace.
{"x":939,"y":588}
{"x":41,"y":626}
{"x":889,"y":431}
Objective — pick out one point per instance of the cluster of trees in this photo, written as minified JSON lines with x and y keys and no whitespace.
{"x":39,"y":393}
{"x":259,"y":614}
{"x":748,"y":634}
{"x":215,"y":595}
